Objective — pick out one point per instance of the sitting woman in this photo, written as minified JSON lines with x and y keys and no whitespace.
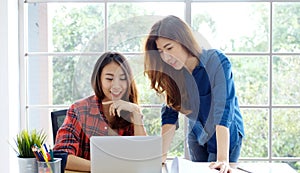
{"x":112,"y":110}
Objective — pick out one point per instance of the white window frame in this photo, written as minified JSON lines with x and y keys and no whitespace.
{"x":24,"y":53}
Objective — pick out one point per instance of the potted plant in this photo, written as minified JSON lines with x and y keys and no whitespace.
{"x":24,"y":142}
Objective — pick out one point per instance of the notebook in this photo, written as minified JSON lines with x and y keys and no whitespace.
{"x":126,"y":154}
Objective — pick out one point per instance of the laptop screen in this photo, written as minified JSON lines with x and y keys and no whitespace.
{"x":126,"y":154}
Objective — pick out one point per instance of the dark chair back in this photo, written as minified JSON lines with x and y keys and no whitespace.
{"x":57,"y":119}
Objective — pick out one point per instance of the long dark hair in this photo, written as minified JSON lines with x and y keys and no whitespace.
{"x":163,"y":77}
{"x":131,"y":94}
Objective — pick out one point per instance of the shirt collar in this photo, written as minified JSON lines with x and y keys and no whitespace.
{"x":201,"y":58}
{"x":95,"y":106}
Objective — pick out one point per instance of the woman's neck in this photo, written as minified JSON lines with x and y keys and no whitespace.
{"x":191,"y":63}
{"x":108,"y":117}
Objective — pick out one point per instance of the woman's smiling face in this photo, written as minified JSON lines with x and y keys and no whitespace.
{"x":114,"y":82}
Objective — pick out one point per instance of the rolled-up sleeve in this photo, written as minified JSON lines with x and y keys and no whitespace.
{"x":224,"y":93}
{"x":169,"y":116}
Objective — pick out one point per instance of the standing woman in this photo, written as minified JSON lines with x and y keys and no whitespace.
{"x":199,"y":84}
{"x":112,"y":110}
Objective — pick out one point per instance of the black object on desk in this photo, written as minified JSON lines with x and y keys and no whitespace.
{"x":64,"y":157}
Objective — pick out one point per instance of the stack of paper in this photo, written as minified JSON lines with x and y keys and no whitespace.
{"x":180,"y":165}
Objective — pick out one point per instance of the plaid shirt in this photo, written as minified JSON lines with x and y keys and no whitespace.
{"x":84,"y":119}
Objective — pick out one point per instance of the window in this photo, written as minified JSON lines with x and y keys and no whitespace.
{"x":262,"y":39}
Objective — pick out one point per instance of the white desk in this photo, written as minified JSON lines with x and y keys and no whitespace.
{"x":251,"y":167}
{"x":265,"y":167}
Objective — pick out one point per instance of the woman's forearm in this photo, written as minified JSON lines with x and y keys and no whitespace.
{"x":78,"y":164}
{"x":139,"y":128}
{"x":223,"y":137}
{"x":167,"y":133}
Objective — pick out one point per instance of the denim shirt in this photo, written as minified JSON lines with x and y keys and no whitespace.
{"x":216,"y":100}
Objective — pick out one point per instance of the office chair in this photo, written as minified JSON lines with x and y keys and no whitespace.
{"x":57,"y":118}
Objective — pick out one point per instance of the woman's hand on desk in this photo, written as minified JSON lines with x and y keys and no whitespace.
{"x":223,"y":167}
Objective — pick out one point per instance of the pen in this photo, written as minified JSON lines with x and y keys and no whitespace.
{"x":164,"y":165}
{"x":242,"y":169}
{"x":107,"y":102}
{"x":51,"y":154}
{"x":45,"y":147}
{"x":44,"y":154}
{"x":36,"y":155}
{"x":40,"y":155}
{"x":46,"y":160}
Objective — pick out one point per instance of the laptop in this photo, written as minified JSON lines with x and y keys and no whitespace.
{"x":126,"y":154}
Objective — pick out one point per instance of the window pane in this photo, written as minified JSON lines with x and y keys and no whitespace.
{"x":37,"y":31}
{"x":286,"y":130}
{"x":152,"y":120}
{"x":251,"y":79}
{"x":74,"y":27}
{"x":256,"y":126}
{"x":129,"y":23}
{"x":286,"y":27}
{"x":38,"y":80}
{"x":233,"y":27}
{"x":72,"y":78}
{"x":59,"y":80}
{"x":286,"y":88}
{"x":40,"y":119}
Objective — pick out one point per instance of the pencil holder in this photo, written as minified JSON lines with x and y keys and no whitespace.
{"x":50,"y":167}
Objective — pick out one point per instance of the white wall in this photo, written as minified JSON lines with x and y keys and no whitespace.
{"x":9,"y":83}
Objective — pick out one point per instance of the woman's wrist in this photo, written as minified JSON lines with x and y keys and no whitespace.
{"x":137,"y":118}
